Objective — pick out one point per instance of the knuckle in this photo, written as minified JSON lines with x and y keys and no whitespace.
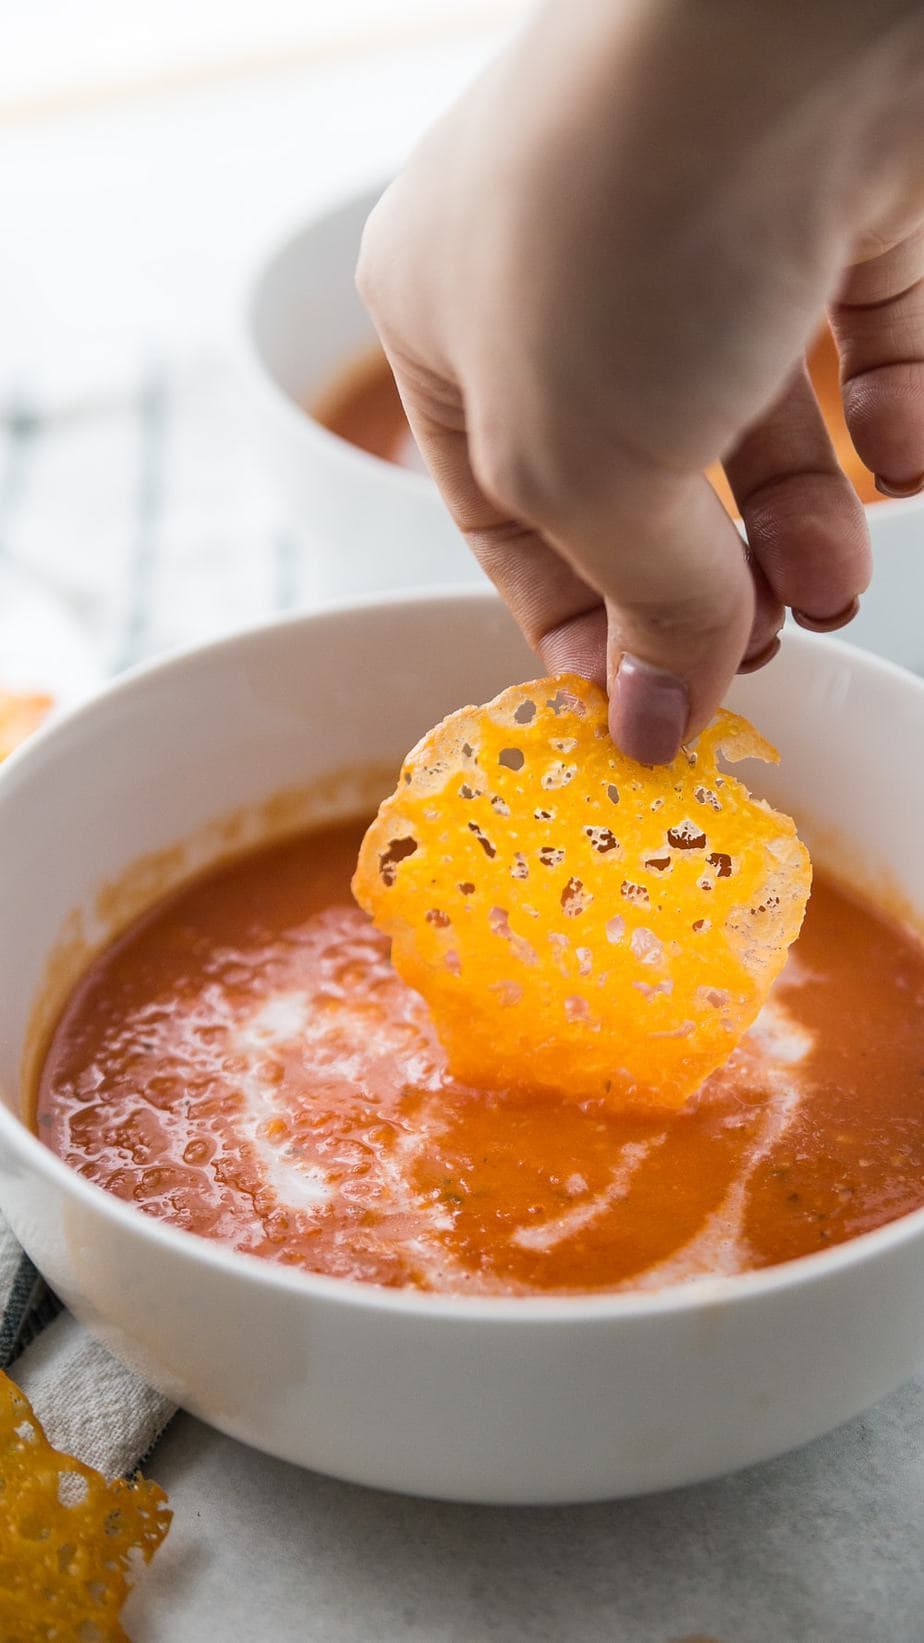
{"x":704,"y":616}
{"x":509,"y":476}
{"x":689,"y":618}
{"x":811,"y":542}
{"x":366,"y":273}
{"x":371,"y":258}
{"x":526,"y":474}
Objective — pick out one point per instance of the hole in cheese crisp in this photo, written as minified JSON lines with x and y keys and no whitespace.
{"x":67,"y":1537}
{"x":637,"y":992}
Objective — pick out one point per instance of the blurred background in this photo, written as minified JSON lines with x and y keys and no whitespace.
{"x":151,"y":156}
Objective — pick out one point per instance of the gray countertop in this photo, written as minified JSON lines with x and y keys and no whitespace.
{"x":825,"y":1545}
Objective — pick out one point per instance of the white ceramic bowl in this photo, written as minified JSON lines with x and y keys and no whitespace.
{"x":890,"y":620}
{"x":519,"y":1400}
{"x":373,"y":525}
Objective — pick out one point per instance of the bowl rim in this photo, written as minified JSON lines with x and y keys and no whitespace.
{"x":711,"y":1291}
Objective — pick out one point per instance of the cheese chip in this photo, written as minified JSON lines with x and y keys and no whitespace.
{"x":575,"y":921}
{"x":66,"y":1535}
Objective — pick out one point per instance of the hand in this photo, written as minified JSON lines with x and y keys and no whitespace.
{"x":599,"y":273}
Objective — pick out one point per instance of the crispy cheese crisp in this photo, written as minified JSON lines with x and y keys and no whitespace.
{"x":66,"y":1535}
{"x":576,"y":921}
{"x":19,"y":716}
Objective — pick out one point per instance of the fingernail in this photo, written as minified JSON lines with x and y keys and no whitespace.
{"x":649,"y":709}
{"x":752,"y":663}
{"x":827,"y":624}
{"x":898,"y":487}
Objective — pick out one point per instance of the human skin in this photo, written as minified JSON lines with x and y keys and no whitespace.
{"x":599,"y":273}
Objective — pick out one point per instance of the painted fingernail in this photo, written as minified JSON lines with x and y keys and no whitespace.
{"x":827,"y":624}
{"x":649,"y":709}
{"x":898,"y":487}
{"x":752,"y":663}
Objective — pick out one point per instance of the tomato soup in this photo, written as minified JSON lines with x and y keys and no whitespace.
{"x":244,"y":1063}
{"x":362,"y":406}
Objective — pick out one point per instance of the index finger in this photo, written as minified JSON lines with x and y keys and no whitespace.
{"x":561,"y":615}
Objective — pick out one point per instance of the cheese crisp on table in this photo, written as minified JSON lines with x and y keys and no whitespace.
{"x":576,"y":921}
{"x":67,"y":1536}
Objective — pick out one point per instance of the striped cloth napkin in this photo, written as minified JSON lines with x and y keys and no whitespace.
{"x":133,"y":518}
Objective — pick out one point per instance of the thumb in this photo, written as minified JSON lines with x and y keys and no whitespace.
{"x":669,"y":566}
{"x":680,"y":605}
